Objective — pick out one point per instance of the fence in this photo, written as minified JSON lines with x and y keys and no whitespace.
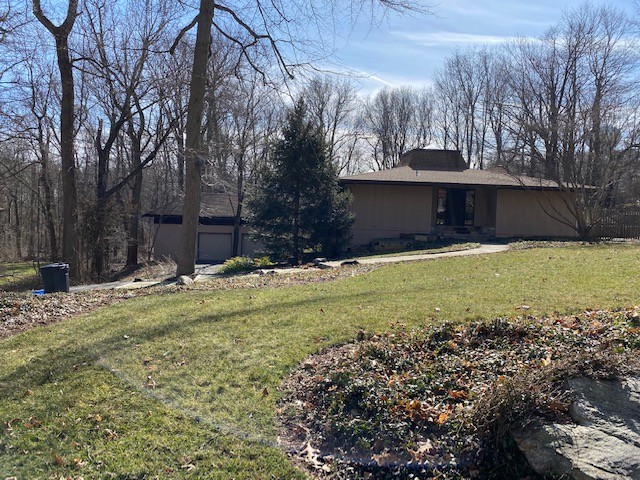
{"x":621,"y":224}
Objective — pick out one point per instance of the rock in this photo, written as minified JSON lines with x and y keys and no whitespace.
{"x":184,"y":280}
{"x":266,"y":272}
{"x":350,"y":262}
{"x":602,"y":443}
{"x":320,"y":263}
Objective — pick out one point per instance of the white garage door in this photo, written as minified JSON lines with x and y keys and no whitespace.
{"x":214,"y":246}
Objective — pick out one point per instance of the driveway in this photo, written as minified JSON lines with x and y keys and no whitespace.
{"x":483,"y":249}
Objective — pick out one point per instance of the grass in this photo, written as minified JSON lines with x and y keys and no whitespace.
{"x":19,"y":276}
{"x":453,"y":247}
{"x":418,"y":248}
{"x":185,"y":385}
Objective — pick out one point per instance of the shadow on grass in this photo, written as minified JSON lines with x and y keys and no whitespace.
{"x":63,"y":357}
{"x":21,"y":284}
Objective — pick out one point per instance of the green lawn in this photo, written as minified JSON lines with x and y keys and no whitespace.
{"x":453,"y":247}
{"x":185,"y":385}
{"x":18,"y":276}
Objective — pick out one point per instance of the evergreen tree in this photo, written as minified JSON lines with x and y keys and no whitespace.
{"x":298,"y":204}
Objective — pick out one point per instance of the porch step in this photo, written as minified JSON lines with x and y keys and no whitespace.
{"x":464,"y":232}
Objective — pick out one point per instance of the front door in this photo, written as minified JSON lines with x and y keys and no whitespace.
{"x":455,"y":207}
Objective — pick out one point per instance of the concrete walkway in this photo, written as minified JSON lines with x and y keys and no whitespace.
{"x":484,"y":248}
{"x":114,"y":285}
{"x":208,"y":271}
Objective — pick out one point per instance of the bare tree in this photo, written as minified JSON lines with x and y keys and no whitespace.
{"x":461,"y":87}
{"x":332,"y":104}
{"x":575,"y":113}
{"x":117,"y":62}
{"x":397,"y":120}
{"x":70,"y":246}
{"x":271,"y":28}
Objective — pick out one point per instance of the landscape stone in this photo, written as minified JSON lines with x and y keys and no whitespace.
{"x":184,"y":280}
{"x":603,"y":442}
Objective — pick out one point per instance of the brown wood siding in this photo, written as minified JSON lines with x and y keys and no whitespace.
{"x":386,"y":211}
{"x":485,"y":207}
{"x":520,"y":213}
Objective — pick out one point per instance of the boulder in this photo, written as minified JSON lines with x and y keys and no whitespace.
{"x":603,"y":442}
{"x":184,"y":280}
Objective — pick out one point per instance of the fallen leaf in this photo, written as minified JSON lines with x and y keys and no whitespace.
{"x":442,"y":418}
{"x":423,"y":449}
{"x":385,"y":458}
{"x":457,"y":394}
{"x":311,"y":456}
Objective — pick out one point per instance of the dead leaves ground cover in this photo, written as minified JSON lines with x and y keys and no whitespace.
{"x":440,"y":401}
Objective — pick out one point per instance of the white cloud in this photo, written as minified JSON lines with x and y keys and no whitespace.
{"x":433,"y":39}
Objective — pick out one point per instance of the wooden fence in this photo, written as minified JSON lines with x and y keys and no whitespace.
{"x":621,"y":224}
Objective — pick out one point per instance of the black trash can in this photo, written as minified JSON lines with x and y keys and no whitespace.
{"x":55,"y":277}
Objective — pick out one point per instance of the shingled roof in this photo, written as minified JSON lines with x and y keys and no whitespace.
{"x":213,"y":206}
{"x":444,"y":167}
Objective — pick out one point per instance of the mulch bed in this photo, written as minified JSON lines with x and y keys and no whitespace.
{"x":23,"y":311}
{"x":441,"y":401}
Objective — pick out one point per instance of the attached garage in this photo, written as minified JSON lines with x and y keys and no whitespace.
{"x":214,"y":247}
{"x":215,"y":230}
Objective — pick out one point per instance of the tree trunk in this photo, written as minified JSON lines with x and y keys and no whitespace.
{"x":100,"y":243}
{"x":236,"y":247}
{"x":193,"y":160}
{"x":18,"y":230}
{"x":47,"y":202}
{"x":133,"y":227}
{"x":70,"y":245}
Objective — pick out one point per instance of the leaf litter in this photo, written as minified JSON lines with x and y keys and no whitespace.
{"x":440,"y":401}
{"x":23,"y":311}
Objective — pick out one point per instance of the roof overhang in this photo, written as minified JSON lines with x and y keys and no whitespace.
{"x":450,"y":185}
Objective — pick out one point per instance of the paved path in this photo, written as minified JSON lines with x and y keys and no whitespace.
{"x":114,"y":285}
{"x":207,"y":271}
{"x":483,"y":249}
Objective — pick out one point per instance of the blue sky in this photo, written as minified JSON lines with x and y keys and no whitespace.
{"x":407,"y":51}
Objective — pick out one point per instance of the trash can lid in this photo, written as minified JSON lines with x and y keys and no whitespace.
{"x":56,"y":265}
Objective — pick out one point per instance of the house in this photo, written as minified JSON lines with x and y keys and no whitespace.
{"x":433,"y":193}
{"x":215,"y":229}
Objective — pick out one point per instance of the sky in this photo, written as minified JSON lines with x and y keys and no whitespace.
{"x":408,"y":51}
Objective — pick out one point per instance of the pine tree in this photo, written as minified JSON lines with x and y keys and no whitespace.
{"x":298,"y":204}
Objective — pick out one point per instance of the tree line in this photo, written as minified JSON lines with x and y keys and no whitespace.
{"x":74,"y":186}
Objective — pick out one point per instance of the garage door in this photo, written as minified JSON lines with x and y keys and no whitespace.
{"x":214,"y":246}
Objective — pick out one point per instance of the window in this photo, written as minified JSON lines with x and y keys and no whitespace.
{"x":441,"y":209}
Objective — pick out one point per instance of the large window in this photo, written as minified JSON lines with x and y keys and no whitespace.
{"x":455,"y":207}
{"x":469,"y":207}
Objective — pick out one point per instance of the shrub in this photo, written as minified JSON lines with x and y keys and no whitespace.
{"x":263,"y":262}
{"x":238,"y":265}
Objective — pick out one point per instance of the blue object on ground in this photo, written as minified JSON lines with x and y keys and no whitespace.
{"x":38,"y":292}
